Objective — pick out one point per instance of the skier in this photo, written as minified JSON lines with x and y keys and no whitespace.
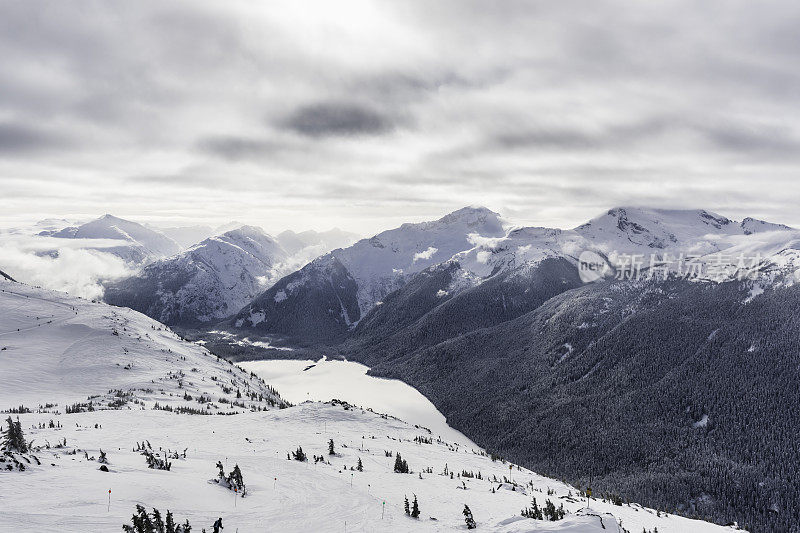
{"x":218,"y":525}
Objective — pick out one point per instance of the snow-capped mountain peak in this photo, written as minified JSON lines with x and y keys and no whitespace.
{"x":753,"y":225}
{"x":345,"y":284}
{"x":211,"y":280}
{"x":137,"y":243}
{"x":477,"y":216}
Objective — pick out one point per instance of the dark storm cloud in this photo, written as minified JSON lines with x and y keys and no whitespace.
{"x":325,"y":119}
{"x":22,"y":140}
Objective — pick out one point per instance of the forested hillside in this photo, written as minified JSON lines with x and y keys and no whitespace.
{"x":675,"y":393}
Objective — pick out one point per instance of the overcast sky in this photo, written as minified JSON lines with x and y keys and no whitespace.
{"x":366,"y":114}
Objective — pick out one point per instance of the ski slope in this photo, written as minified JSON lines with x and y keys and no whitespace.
{"x":62,"y":350}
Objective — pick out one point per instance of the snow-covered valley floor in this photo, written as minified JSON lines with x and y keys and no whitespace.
{"x":327,"y":379}
{"x":61,"y":350}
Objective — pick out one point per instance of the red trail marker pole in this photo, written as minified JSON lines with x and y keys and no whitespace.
{"x":109,"y":500}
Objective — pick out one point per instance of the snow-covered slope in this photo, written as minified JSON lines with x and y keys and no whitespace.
{"x":210,"y":281}
{"x":137,"y":244}
{"x":336,"y":290}
{"x":56,"y":349}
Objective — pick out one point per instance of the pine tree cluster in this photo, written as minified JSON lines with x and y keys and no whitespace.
{"x":400,"y":465}
{"x":153,"y":460}
{"x":413,"y":509}
{"x":233,"y":481}
{"x":299,"y":455}
{"x":13,"y":439}
{"x":144,"y":522}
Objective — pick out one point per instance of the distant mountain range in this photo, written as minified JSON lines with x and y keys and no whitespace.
{"x":131,"y":241}
{"x":469,"y":249}
{"x":326,"y":298}
{"x":665,"y":386}
{"x":218,"y":276}
{"x":650,"y":353}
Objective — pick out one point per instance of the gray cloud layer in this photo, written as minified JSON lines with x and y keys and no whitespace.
{"x":369,"y":113}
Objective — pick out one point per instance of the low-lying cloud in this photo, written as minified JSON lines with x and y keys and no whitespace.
{"x":77,"y":271}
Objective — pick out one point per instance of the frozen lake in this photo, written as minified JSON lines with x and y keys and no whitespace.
{"x":348,"y":381}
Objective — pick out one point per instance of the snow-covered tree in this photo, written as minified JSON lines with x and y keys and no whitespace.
{"x":13,"y":439}
{"x":236,"y":482}
{"x":400,"y":465}
{"x":534,"y":511}
{"x":331,"y":451}
{"x":299,"y":455}
{"x":415,"y":508}
{"x":468,"y":518}
{"x":232,"y":481}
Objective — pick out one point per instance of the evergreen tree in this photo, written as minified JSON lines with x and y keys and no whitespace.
{"x":13,"y":439}
{"x":534,"y":512}
{"x":468,"y":518}
{"x":406,"y":506}
{"x":553,"y":514}
{"x":170,"y":523}
{"x":145,"y":523}
{"x":158,"y":523}
{"x":299,"y":455}
{"x":330,"y":448}
{"x":400,"y":465}
{"x":235,"y":480}
{"x":360,"y":466}
{"x":415,"y":508}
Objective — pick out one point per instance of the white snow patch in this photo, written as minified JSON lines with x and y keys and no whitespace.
{"x":256,"y":317}
{"x":348,"y":381}
{"x":280,"y":296}
{"x":703,"y":422}
{"x":568,"y":346}
{"x":440,"y":293}
{"x":754,"y":291}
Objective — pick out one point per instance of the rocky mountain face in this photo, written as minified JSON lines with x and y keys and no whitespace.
{"x":332,"y":293}
{"x":208,"y":282}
